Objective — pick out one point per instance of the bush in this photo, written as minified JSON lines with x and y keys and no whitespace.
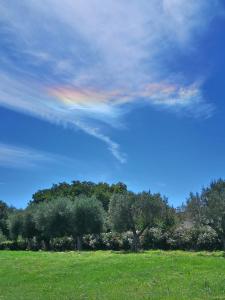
{"x":13,"y":245}
{"x":108,"y":241}
{"x":2,"y":237}
{"x":93,"y":242}
{"x":112,"y":241}
{"x":154,"y":238}
{"x":33,"y":244}
{"x":181,"y":239}
{"x":207,"y":239}
{"x":201,"y":238}
{"x":62,"y":244}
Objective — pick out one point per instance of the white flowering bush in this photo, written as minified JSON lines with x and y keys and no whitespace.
{"x":207,"y":239}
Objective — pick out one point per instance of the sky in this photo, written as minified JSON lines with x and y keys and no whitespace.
{"x":116,"y":90}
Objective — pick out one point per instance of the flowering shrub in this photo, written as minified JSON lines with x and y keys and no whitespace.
{"x":207,"y":239}
{"x":62,"y":244}
{"x":201,"y":238}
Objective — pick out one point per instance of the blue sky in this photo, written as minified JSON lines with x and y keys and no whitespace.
{"x":111,"y":91}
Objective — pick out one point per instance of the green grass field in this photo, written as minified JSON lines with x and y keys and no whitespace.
{"x":107,"y":275}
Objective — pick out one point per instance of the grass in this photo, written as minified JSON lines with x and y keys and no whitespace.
{"x":107,"y":275}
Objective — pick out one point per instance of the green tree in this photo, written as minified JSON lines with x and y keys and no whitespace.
{"x":208,"y":208}
{"x":15,"y":224}
{"x":4,"y":211}
{"x":87,"y":216}
{"x":102,"y":191}
{"x":28,"y":225}
{"x":52,"y":219}
{"x":213,"y":198}
{"x":136,"y":213}
{"x":195,"y":209}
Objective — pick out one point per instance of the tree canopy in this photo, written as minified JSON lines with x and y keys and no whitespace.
{"x":135,"y":213}
{"x":85,"y":210}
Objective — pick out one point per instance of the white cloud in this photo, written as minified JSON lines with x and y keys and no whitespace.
{"x":103,"y":48}
{"x":28,"y":100}
{"x":19,"y":157}
{"x":15,"y":156}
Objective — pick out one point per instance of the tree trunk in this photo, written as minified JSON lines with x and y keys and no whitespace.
{"x":136,"y":242}
{"x":223,"y":243}
{"x":136,"y":238}
{"x":79,"y":243}
{"x":46,"y":244}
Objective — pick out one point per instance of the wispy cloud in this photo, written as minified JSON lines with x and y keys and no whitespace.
{"x":86,"y":63}
{"x":17,"y":157}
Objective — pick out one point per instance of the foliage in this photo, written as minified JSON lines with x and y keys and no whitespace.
{"x":207,"y":239}
{"x":4,"y":213}
{"x":135,"y":213}
{"x":103,"y":216}
{"x":62,"y":244}
{"x":15,"y":224}
{"x":13,"y":245}
{"x":208,"y":208}
{"x":101,"y":191}
{"x":87,"y":216}
{"x":2,"y":237}
{"x":52,"y":218}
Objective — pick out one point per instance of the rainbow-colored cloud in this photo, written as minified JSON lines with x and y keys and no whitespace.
{"x":158,"y":93}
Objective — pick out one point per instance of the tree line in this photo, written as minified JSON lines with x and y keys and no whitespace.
{"x":85,"y":215}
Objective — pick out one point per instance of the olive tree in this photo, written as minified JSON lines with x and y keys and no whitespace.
{"x":209,"y":208}
{"x":4,"y":212}
{"x":15,"y":224}
{"x":52,"y":218}
{"x":28,"y":224}
{"x":136,"y":213}
{"x":87,"y":216}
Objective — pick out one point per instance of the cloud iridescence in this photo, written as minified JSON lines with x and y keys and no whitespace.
{"x":87,"y":63}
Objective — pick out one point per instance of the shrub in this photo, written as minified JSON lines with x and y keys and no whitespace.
{"x":2,"y":237}
{"x":108,"y":241}
{"x":154,"y":238}
{"x":207,"y":239}
{"x":181,"y":239}
{"x":62,"y":244}
{"x":93,"y":242}
{"x":13,"y":245}
{"x":33,"y":244}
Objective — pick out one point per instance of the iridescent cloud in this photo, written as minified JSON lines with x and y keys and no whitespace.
{"x":156,"y":93}
{"x":86,"y":64}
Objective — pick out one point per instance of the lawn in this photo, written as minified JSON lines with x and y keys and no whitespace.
{"x":108,"y":275}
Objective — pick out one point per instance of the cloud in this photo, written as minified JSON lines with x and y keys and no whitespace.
{"x":19,"y":157}
{"x":15,"y":156}
{"x":31,"y":101}
{"x":87,"y":63}
{"x":163,"y":94}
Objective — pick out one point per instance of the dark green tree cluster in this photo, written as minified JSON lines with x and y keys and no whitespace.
{"x":102,"y":191}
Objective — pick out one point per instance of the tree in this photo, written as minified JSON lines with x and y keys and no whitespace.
{"x":102,"y":191}
{"x":208,"y":208}
{"x":213,"y":198}
{"x":15,"y":224}
{"x":136,"y":213}
{"x":4,"y":211}
{"x":52,"y":218}
{"x":87,"y":216}
{"x":195,"y":209}
{"x":28,"y":225}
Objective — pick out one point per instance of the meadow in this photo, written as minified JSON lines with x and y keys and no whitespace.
{"x":112,"y":275}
